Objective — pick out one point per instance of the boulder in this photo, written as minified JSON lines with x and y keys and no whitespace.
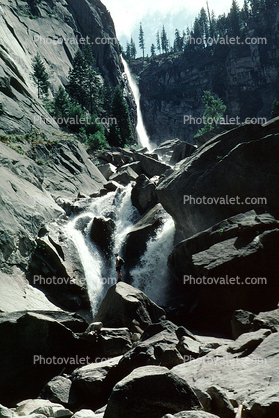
{"x":220,"y":403}
{"x":150,"y":392}
{"x":188,"y":347}
{"x":24,"y":296}
{"x":123,"y":303}
{"x":157,"y":346}
{"x":140,"y":233}
{"x":124,"y":176}
{"x":191,"y":414}
{"x":107,"y":170}
{"x":60,"y":390}
{"x":6,"y":412}
{"x":269,"y":320}
{"x":135,"y":166}
{"x":227,"y":166}
{"x":244,"y":377}
{"x":150,"y":167}
{"x":232,"y":264}
{"x":174,"y":150}
{"x":102,"y":233}
{"x":241,"y":322}
{"x":42,"y":407}
{"x":181,"y":151}
{"x":56,"y":269}
{"x":84,"y":413}
{"x":95,"y":381}
{"x":143,"y":194}
{"x":39,"y":346}
{"x":114,"y":341}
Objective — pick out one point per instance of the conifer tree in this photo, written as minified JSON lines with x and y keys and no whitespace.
{"x":152,"y":50}
{"x":128,"y":51}
{"x":141,"y":40}
{"x":158,"y":42}
{"x":203,"y":21}
{"x":178,"y":42}
{"x":40,"y":76}
{"x":164,"y":40}
{"x":133,"y":50}
{"x":234,"y":20}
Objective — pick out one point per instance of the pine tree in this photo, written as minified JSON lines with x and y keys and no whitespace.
{"x":164,"y":40}
{"x":153,"y":50}
{"x":77,"y":80}
{"x":203,"y":21}
{"x":128,"y":51}
{"x":133,"y":50}
{"x":178,"y":42}
{"x":141,"y":40}
{"x":40,"y":76}
{"x":234,"y":20}
{"x":120,"y":132}
{"x":84,"y":85}
{"x":158,"y":42}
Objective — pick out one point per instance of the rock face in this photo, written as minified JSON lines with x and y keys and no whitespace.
{"x":240,"y":374}
{"x":227,"y":166}
{"x":161,"y":390}
{"x":243,"y":76}
{"x":54,"y":30}
{"x":233,"y":264}
{"x":123,"y":304}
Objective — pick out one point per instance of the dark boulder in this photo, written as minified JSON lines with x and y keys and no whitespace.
{"x":150,"y":392}
{"x":102,"y":233}
{"x":123,"y":304}
{"x":230,"y":266}
{"x":143,"y":194}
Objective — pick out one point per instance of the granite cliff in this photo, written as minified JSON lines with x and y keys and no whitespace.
{"x":244,"y":76}
{"x":55,"y":30}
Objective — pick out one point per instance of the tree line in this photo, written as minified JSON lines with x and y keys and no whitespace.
{"x":88,"y":105}
{"x":206,"y":25}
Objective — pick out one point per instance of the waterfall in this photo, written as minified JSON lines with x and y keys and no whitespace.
{"x":151,"y":274}
{"x":99,"y":272}
{"x":142,"y":135}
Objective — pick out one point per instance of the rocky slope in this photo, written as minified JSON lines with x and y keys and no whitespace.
{"x":244,"y":76}
{"x":55,"y":30}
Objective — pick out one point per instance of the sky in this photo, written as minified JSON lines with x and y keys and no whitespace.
{"x":127,"y":14}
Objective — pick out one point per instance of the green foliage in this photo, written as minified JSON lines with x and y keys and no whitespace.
{"x":97,"y":140}
{"x":121,"y":132}
{"x":214,"y":110}
{"x":40,"y":76}
{"x":275,"y":109}
{"x":84,"y":86}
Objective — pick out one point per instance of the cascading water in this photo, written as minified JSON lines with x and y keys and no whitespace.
{"x":100,"y":273}
{"x":151,"y":274}
{"x":142,"y":135}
